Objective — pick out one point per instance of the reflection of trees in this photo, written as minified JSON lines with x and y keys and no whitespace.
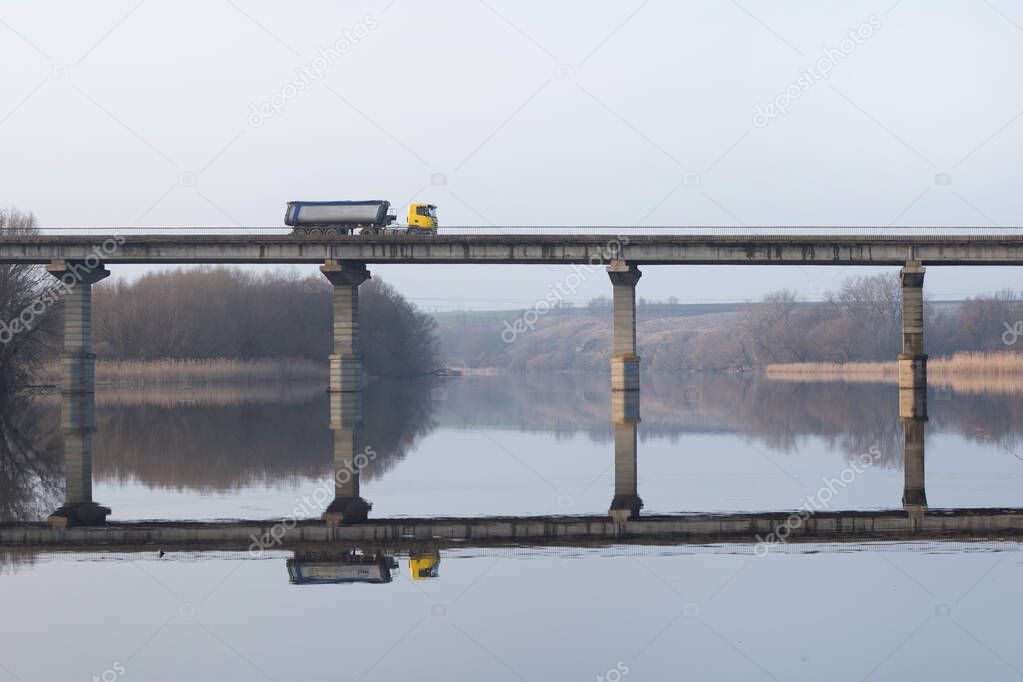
{"x":396,"y":414}
{"x":985,"y":417}
{"x":255,"y":439}
{"x":851,"y":417}
{"x":31,"y":472}
{"x":263,"y":436}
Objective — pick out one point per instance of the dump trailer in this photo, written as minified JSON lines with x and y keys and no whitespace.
{"x":329,"y":218}
{"x":332,"y":218}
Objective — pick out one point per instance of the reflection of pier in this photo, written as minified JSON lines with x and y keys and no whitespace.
{"x":626,"y":503}
{"x":346,"y":419}
{"x":78,"y":400}
{"x":913,"y":390}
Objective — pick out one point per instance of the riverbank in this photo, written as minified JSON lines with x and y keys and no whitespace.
{"x":965,"y":372}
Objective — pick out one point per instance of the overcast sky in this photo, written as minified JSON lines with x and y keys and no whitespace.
{"x":530,"y":113}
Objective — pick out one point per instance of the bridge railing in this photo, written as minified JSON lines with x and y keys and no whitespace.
{"x":574,"y":230}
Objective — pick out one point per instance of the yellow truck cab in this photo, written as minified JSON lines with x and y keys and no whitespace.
{"x":422,"y":217}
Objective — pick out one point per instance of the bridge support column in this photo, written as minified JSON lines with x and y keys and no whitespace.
{"x":346,"y":360}
{"x":77,"y":386}
{"x":77,"y":362}
{"x":912,"y":360}
{"x":346,"y":420}
{"x":913,"y":389}
{"x":626,"y":503}
{"x":624,"y":361}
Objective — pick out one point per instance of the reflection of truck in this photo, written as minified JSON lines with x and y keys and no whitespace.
{"x":350,"y":568}
{"x":332,"y":218}
{"x":424,"y":565}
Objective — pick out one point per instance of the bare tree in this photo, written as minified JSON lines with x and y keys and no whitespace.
{"x":23,"y":332}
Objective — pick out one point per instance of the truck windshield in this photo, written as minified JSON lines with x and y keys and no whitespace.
{"x":433,"y":212}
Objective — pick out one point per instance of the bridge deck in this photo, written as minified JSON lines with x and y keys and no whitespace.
{"x":644,"y":249}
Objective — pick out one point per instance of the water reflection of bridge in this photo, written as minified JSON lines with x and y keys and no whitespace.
{"x":396,"y":535}
{"x":347,"y":517}
{"x":624,"y":524}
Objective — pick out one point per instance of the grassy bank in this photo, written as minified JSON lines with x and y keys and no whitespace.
{"x":197,"y":372}
{"x":965,"y":372}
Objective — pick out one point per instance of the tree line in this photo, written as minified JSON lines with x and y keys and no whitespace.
{"x":220,"y":312}
{"x":862,"y":321}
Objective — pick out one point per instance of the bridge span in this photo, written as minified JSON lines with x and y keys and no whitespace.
{"x":507,"y":247}
{"x":78,"y":262}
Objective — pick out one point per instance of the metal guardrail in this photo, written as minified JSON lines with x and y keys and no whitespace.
{"x":572,"y":230}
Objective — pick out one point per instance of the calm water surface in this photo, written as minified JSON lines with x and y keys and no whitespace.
{"x":514,"y":446}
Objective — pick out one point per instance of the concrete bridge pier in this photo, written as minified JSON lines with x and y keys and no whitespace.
{"x":77,"y":387}
{"x":913,"y":390}
{"x":624,"y":361}
{"x":346,"y":360}
{"x":626,"y":503}
{"x":346,"y":377}
{"x":912,"y":359}
{"x":77,"y":361}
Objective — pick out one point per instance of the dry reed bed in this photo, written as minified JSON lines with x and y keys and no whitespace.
{"x":967,"y":372}
{"x":198,"y":372}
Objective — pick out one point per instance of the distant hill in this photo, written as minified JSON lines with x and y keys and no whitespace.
{"x":670,"y":336}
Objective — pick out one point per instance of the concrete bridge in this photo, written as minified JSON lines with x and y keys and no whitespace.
{"x":939,"y":248}
{"x":78,"y":263}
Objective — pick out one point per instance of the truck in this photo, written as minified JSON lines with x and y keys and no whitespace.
{"x":334,"y":218}
{"x":424,"y":565}
{"x":351,"y":567}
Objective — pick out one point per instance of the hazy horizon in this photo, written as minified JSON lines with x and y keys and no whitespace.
{"x":640,"y":113}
